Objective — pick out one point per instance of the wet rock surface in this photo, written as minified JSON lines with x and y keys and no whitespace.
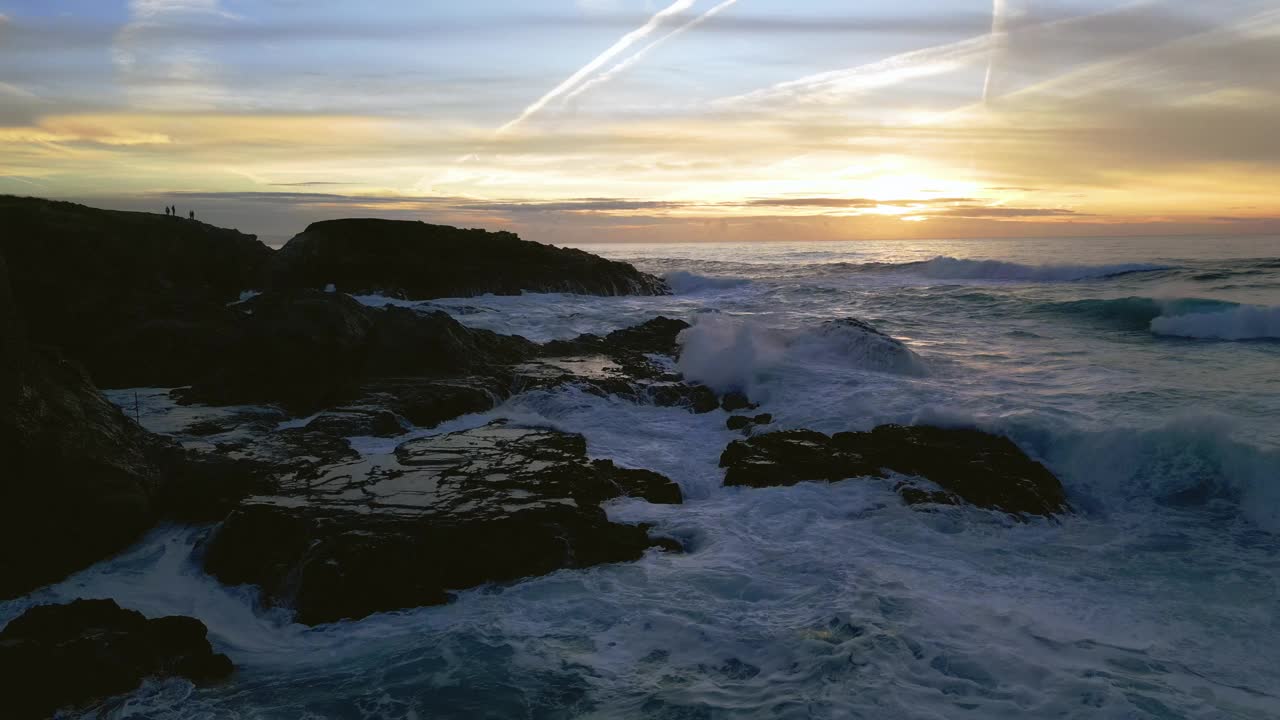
{"x":962,"y":466}
{"x":444,"y":513}
{"x":633,"y":362}
{"x":81,"y":480}
{"x":68,"y":656}
{"x":420,"y":261}
{"x":748,"y":423}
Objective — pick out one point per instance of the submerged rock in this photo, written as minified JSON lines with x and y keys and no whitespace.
{"x":420,"y":261}
{"x":966,"y":466}
{"x":492,"y":504}
{"x":68,"y":656}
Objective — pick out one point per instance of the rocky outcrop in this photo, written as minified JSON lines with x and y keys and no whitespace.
{"x":961,"y":466}
{"x":308,"y":350}
{"x":137,"y":298}
{"x":747,"y":423}
{"x":444,"y":513}
{"x":633,"y":362}
{"x":147,"y":300}
{"x":420,"y":261}
{"x":68,"y":656}
{"x":80,"y":480}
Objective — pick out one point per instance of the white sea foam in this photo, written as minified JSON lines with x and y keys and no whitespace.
{"x":837,"y":600}
{"x":735,"y":353}
{"x":1247,"y":322}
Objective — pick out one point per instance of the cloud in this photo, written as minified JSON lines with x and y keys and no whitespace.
{"x":640,"y":54}
{"x":161,"y":71}
{"x":848,"y":202}
{"x":576,"y":206}
{"x":600,"y":60}
{"x":985,"y":211}
{"x":999,"y":36}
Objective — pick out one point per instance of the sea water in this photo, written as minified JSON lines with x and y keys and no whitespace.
{"x":1144,"y":372}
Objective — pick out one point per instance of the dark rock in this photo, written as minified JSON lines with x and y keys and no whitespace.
{"x":621,"y":363}
{"x":427,"y":402}
{"x":656,"y":336}
{"x":304,"y":350}
{"x":81,"y":480}
{"x":78,"y":477}
{"x":492,"y":504}
{"x":746,"y":422}
{"x":735,"y":401}
{"x":307,"y":350}
{"x":68,"y":656}
{"x":132,"y":296}
{"x":357,"y":422}
{"x":421,"y":261}
{"x":432,"y":344}
{"x":967,"y":466}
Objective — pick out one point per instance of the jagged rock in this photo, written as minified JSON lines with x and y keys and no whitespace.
{"x":80,"y":480}
{"x":137,"y":298}
{"x":421,"y":261}
{"x":68,"y":656}
{"x":967,"y":466}
{"x":746,"y":422}
{"x":357,"y":422}
{"x":308,"y":350}
{"x":427,"y":402}
{"x":735,"y":401}
{"x":622,"y":363}
{"x":492,"y":504}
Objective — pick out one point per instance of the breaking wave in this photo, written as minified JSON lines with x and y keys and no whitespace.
{"x":1132,"y":313}
{"x":1181,"y":317}
{"x":686,"y":283}
{"x":730,"y":353}
{"x":950,"y":268}
{"x":1244,"y":322}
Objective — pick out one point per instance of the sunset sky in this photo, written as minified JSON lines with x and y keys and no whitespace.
{"x":594,"y":120}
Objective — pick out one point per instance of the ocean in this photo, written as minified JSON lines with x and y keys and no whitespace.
{"x":1144,"y":372}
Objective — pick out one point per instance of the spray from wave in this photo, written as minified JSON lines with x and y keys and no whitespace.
{"x":730,"y":353}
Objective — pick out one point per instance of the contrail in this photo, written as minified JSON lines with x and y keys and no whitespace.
{"x":999,"y":31}
{"x":627,"y":41}
{"x":639,"y":54}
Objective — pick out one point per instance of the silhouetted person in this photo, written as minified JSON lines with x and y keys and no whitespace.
{"x":193,"y":214}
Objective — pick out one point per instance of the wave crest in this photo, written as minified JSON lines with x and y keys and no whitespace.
{"x":1133,"y":313}
{"x":949,"y":268}
{"x":1244,"y":322}
{"x":728,"y":353}
{"x":686,"y":283}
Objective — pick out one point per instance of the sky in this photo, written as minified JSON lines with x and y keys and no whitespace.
{"x":574,"y":121}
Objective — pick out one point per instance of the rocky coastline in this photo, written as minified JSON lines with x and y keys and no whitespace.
{"x":94,"y":299}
